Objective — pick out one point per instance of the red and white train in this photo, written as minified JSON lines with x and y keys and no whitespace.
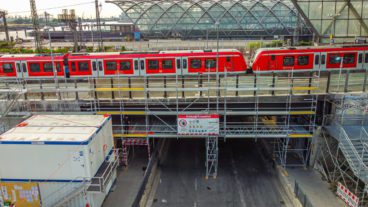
{"x":310,"y":58}
{"x":124,"y":64}
{"x":187,"y":62}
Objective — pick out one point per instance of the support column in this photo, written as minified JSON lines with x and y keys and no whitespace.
{"x":211,"y":157}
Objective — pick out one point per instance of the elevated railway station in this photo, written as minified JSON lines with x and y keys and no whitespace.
{"x":279,"y":106}
{"x":222,"y":123}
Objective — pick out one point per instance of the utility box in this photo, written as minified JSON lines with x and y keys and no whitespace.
{"x":56,"y":148}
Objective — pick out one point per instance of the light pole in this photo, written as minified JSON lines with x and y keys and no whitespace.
{"x":207,"y":38}
{"x":332,"y":33}
{"x":54,"y":70}
{"x":217,"y":24}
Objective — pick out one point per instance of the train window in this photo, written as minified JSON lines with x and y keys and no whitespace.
{"x":47,"y":67}
{"x":35,"y":67}
{"x":366,"y":58}
{"x":210,"y":63}
{"x":185,"y":63}
{"x":142,"y":64}
{"x":288,"y":61}
{"x":167,"y":64}
{"x":335,"y":59}
{"x":195,"y":63}
{"x":135,"y":64}
{"x":8,"y":68}
{"x":83,"y":66}
{"x":273,"y":57}
{"x":111,"y":66}
{"x":178,"y":63}
{"x":303,"y":60}
{"x":74,"y":68}
{"x":349,"y":58}
{"x":125,"y":65}
{"x":360,"y":58}
{"x":228,"y":59}
{"x":323,"y":59}
{"x":94,"y":66}
{"x":153,"y":64}
{"x":58,"y":67}
{"x":316,"y":60}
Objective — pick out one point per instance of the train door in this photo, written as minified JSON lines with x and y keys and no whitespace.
{"x":178,"y":63}
{"x":323,"y":60}
{"x":22,"y":69}
{"x":181,"y":65}
{"x":360,"y":62}
{"x":136,"y":67}
{"x":142,"y":66}
{"x":184,"y":65}
{"x":316,"y":61}
{"x":97,"y":68}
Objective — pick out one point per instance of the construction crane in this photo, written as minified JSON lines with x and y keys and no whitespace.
{"x":36,"y":26}
{"x":3,"y":15}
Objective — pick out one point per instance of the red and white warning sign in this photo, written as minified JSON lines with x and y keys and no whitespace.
{"x":198,"y":124}
{"x":348,"y":197}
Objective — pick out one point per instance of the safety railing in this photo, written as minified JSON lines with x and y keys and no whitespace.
{"x":352,"y":155}
{"x":99,"y":183}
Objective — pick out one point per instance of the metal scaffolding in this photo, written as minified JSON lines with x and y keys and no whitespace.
{"x":276,"y":106}
{"x":343,"y":150}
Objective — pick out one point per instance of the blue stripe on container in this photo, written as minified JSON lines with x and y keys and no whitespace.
{"x":39,"y":180}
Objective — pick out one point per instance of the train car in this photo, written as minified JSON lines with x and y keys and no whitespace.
{"x":164,"y":63}
{"x":310,"y":58}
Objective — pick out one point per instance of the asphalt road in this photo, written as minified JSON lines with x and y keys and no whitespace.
{"x":244,"y":178}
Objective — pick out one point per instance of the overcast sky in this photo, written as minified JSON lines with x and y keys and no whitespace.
{"x":84,"y":8}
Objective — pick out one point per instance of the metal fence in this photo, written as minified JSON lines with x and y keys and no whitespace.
{"x":302,"y":197}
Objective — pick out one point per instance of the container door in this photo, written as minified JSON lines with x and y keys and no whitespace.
{"x":101,"y":68}
{"x":323,"y":61}
{"x":316,"y":61}
{"x":178,"y":64}
{"x":184,"y":65}
{"x":142,"y":66}
{"x":94,"y":68}
{"x":136,"y":67}
{"x":360,"y":62}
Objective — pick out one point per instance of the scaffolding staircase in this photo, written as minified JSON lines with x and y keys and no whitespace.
{"x":353,"y":144}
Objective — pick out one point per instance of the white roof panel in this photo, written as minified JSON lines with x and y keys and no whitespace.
{"x":55,"y":128}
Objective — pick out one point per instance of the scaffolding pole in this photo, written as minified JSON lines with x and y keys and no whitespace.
{"x":211,"y":157}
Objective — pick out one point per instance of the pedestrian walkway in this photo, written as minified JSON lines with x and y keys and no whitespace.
{"x":128,"y":181}
{"x":313,"y":187}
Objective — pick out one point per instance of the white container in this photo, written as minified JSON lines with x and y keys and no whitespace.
{"x":55,"y":148}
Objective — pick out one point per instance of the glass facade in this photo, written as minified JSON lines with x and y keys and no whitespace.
{"x":199,"y":18}
{"x":341,"y":18}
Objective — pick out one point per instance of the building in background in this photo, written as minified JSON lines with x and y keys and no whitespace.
{"x":186,"y":19}
{"x":342,"y":20}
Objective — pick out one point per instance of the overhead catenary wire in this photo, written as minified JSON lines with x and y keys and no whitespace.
{"x":52,"y":8}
